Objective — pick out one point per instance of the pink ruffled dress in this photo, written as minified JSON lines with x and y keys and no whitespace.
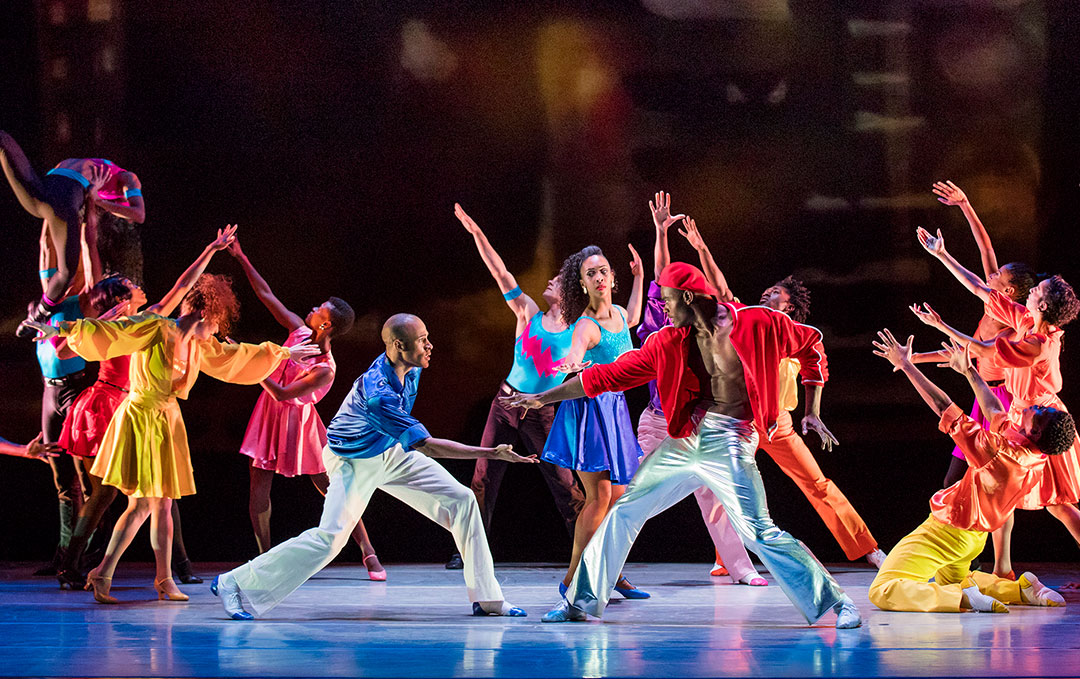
{"x":90,"y":414}
{"x":288,"y":437}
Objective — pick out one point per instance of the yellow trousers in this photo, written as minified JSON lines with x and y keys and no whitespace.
{"x":941,"y":552}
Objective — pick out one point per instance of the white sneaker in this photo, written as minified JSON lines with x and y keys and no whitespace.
{"x":226,"y":588}
{"x":847,"y":615}
{"x":1034,"y":593}
{"x":876,"y":558}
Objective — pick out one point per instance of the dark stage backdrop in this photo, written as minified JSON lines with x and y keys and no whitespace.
{"x":803,"y":136}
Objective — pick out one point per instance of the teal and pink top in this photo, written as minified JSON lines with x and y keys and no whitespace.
{"x":537,"y":352}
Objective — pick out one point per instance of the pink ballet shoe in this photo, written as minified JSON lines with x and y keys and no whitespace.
{"x":377,"y":576}
{"x":754,"y":580}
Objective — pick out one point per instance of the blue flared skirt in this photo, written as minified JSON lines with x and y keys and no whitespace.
{"x":594,"y":435}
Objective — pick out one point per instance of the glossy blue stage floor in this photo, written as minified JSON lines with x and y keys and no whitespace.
{"x":417,"y":625}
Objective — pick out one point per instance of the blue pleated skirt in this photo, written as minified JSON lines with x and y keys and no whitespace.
{"x":594,"y":435}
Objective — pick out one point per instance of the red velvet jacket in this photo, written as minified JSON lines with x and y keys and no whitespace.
{"x":761,"y":337}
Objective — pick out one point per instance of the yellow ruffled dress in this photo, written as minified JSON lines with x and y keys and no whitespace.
{"x":145,"y":452}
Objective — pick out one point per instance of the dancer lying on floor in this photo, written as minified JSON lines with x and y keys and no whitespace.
{"x":375,"y":442}
{"x":1005,"y":463}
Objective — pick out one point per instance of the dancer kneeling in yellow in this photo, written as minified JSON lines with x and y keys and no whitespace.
{"x":1004,"y":463}
{"x":145,"y":452}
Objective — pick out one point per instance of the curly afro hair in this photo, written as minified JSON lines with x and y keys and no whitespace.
{"x":799,"y":298}
{"x":213,"y":297}
{"x":574,"y":298}
{"x":342,"y":315}
{"x":1059,"y":434}
{"x":1061,"y":303}
{"x":120,"y":246}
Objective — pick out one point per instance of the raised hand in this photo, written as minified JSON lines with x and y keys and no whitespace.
{"x":304,"y":350}
{"x":690,"y":232}
{"x":927,"y":315}
{"x":225,"y":237}
{"x":505,"y":451}
{"x":933,"y":245}
{"x":234,"y":248}
{"x":466,"y":220}
{"x":42,"y":451}
{"x":892,"y":351}
{"x":949,"y":193}
{"x":635,"y":263}
{"x":814,"y":423}
{"x":660,"y":207}
{"x":526,"y":401}
{"x":959,"y":357}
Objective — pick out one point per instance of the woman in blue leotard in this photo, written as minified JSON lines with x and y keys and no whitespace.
{"x":595,"y":436}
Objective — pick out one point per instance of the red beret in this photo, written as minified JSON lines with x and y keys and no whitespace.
{"x":683,"y":276}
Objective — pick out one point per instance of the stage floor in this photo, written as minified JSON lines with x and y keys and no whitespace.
{"x":418,"y":625}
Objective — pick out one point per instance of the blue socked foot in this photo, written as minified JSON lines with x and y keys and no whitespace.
{"x":564,"y":612}
{"x":624,"y":587}
{"x":562,"y":590}
{"x":498,"y":608}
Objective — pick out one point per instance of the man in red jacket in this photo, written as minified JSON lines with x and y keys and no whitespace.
{"x":717,"y":370}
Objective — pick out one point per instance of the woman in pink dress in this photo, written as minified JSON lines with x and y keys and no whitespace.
{"x":285,"y":434}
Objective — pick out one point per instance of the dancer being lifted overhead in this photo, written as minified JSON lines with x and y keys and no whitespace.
{"x":786,"y":448}
{"x":1032,"y":363}
{"x":731,"y":556}
{"x":595,"y":436}
{"x":1014,"y":280}
{"x":716,"y":370}
{"x":285,"y":434}
{"x":1005,"y":463}
{"x":144,"y":451}
{"x":375,"y":442}
{"x":542,"y":341}
{"x":60,"y":198}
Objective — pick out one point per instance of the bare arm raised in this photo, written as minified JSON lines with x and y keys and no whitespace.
{"x":287,"y":319}
{"x":951,"y":194}
{"x":187,"y":279}
{"x":936,"y":247}
{"x":708,"y":264}
{"x":660,"y":207}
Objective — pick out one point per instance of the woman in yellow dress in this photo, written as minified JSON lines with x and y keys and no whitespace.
{"x":145,"y":452}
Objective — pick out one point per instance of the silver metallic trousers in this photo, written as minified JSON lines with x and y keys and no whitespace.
{"x":718,"y":456}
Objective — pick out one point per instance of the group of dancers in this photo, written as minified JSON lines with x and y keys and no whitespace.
{"x":722,"y":377}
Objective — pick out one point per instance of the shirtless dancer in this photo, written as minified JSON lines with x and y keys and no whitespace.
{"x":716,"y":371}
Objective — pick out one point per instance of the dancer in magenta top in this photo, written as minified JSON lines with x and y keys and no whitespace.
{"x":285,"y":434}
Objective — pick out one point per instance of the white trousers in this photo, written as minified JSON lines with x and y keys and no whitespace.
{"x":652,"y":430}
{"x":411,"y":477}
{"x":719,"y":455}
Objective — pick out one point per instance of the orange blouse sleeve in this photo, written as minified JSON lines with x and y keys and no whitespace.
{"x":1021,"y":353}
{"x":1006,"y":311}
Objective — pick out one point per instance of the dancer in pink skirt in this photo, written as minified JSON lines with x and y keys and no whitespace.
{"x":285,"y":434}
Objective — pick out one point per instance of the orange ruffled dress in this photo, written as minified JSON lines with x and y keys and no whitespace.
{"x":90,"y":414}
{"x":144,"y":451}
{"x":1033,"y":376}
{"x":288,"y":436}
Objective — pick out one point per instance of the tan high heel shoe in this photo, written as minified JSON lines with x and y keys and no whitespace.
{"x":100,"y":586}
{"x":165,"y":595}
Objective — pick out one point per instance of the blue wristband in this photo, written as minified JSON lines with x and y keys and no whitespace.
{"x":131,"y":193}
{"x":513,"y":294}
{"x":47,"y":273}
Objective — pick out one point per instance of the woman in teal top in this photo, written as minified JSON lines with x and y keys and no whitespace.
{"x":595,"y":436}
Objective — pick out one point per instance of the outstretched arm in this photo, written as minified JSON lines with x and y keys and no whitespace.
{"x":172,"y":298}
{"x":959,"y":359}
{"x":637,"y":293}
{"x":135,"y":210}
{"x":311,"y":382}
{"x":899,"y":355}
{"x":982,"y":349}
{"x":568,"y":390}
{"x":520,"y":303}
{"x":950,"y":194}
{"x":660,"y":207}
{"x":433,"y":447}
{"x":708,"y":264}
{"x":812,"y":417}
{"x":586,"y":335}
{"x":283,"y":316}
{"x":936,"y":247}
{"x":35,"y":450}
